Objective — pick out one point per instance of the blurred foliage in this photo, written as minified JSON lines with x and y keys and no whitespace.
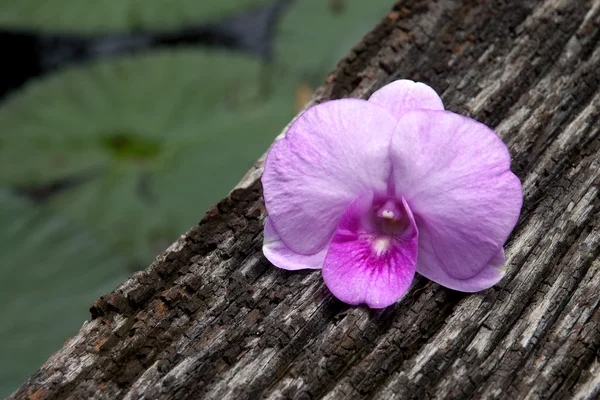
{"x":103,"y":165}
{"x":39,"y":247}
{"x":85,"y":16}
{"x":315,"y":34}
{"x":160,"y":137}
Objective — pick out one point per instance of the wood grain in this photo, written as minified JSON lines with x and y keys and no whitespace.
{"x":211,"y":318}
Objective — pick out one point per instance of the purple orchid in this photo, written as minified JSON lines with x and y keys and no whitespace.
{"x":374,"y":191}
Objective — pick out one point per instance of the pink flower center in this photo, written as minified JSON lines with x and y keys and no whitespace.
{"x":392,"y":224}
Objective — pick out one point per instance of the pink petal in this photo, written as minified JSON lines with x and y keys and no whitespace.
{"x":363,"y":267}
{"x":428,"y":266}
{"x":331,"y":154}
{"x":281,"y":256}
{"x":405,"y":95}
{"x":455,"y":174}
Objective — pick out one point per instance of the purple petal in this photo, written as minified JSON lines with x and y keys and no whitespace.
{"x":331,"y":154}
{"x":498,"y":260}
{"x":363,"y":266}
{"x":455,"y":174}
{"x":281,"y":256}
{"x":428,"y":266}
{"x":405,"y":95}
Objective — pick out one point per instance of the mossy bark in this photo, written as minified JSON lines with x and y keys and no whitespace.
{"x":211,"y":318}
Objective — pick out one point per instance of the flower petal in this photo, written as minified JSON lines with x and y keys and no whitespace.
{"x":281,"y":256}
{"x":362,"y":267}
{"x":455,"y":174}
{"x":428,"y":266}
{"x":331,"y":154}
{"x":405,"y":95}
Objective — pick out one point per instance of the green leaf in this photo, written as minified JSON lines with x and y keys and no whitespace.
{"x":165,"y":135}
{"x":315,"y":34}
{"x":121,"y":15}
{"x":51,"y":273}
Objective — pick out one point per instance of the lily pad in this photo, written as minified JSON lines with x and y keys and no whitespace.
{"x":315,"y":34}
{"x":112,"y":16}
{"x":51,"y":272}
{"x":160,"y":138}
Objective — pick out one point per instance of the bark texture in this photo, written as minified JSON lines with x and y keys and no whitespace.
{"x":211,"y":318}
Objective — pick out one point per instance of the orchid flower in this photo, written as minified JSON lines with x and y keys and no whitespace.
{"x":373,"y":191}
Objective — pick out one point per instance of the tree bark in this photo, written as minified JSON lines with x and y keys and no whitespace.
{"x":211,"y":318}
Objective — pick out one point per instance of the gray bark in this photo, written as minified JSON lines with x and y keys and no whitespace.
{"x":211,"y":318}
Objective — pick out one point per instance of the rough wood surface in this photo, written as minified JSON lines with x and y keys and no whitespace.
{"x":211,"y":318}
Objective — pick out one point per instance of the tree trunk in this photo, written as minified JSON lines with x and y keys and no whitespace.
{"x":211,"y":318}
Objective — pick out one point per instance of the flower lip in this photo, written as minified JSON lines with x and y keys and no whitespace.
{"x":372,"y":258}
